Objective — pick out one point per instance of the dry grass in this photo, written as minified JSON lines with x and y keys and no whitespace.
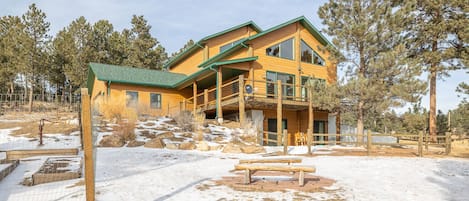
{"x":31,"y":128}
{"x":184,"y":120}
{"x":115,"y":109}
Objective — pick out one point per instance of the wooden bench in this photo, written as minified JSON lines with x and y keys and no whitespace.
{"x":248,"y":168}
{"x":271,"y":160}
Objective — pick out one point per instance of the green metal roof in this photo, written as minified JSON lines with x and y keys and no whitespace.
{"x":250,"y":23}
{"x":224,"y":53}
{"x":227,"y":62}
{"x":199,"y":43}
{"x":137,"y":76}
{"x":305,"y":22}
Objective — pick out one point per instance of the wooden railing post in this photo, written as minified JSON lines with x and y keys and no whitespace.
{"x":369,"y":142}
{"x":206,"y":98}
{"x":194,"y":92}
{"x":448,"y":143}
{"x":279,"y":112}
{"x":420,"y":145}
{"x":88,"y":144}
{"x":242,"y":115}
{"x":309,"y":139}
{"x":285,"y":142}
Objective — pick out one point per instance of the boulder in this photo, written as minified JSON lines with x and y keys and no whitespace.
{"x":171,"y":146}
{"x":135,"y":143}
{"x":207,"y":130}
{"x":187,"y":146}
{"x":215,"y":147}
{"x":187,"y":135}
{"x":167,"y":134}
{"x":154,"y":143}
{"x":232,"y":148}
{"x":113,"y":140}
{"x":203,"y":146}
{"x":252,"y":149}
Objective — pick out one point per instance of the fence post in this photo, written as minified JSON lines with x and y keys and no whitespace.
{"x":309,"y":136}
{"x":88,"y":144}
{"x":420,"y":148}
{"x":368,"y":142}
{"x":448,"y":143}
{"x":285,"y":142}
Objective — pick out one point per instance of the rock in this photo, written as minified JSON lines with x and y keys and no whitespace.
{"x":154,"y":143}
{"x":207,"y":130}
{"x":187,"y":146}
{"x":187,"y":135}
{"x":176,"y":139}
{"x":232,"y":148}
{"x":167,"y":134}
{"x":112,"y":141}
{"x":252,"y":149}
{"x":171,"y":146}
{"x":215,"y":147}
{"x":135,"y":143}
{"x":203,"y":146}
{"x":218,"y":139}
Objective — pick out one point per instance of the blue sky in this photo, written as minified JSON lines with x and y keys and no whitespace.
{"x":174,"y":22}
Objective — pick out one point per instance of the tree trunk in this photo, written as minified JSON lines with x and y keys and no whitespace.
{"x":360,"y":122}
{"x":56,"y":93}
{"x":70,"y":96}
{"x":30,"y":108}
{"x":432,"y":118}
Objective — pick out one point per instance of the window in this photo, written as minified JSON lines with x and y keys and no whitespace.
{"x":308,"y":55}
{"x":131,"y":98}
{"x":282,"y":50}
{"x":288,"y":82}
{"x":155,"y":101}
{"x":317,"y":81}
{"x":229,"y":45}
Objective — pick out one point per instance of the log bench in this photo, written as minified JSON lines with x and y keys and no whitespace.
{"x":248,"y":168}
{"x":271,"y":160}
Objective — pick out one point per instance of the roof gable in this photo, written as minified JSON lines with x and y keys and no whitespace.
{"x":138,"y":76}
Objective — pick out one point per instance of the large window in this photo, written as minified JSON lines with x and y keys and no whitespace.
{"x":308,"y":55}
{"x":131,"y":98}
{"x":227,"y":46}
{"x":155,"y":101}
{"x":283,"y":50}
{"x":317,"y":81}
{"x":288,"y":82}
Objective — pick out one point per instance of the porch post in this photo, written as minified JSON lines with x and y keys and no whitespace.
{"x":310,"y":110}
{"x":279,"y":112}
{"x":205,"y":98}
{"x":219,"y":93}
{"x":194,"y":90}
{"x":242,"y":115}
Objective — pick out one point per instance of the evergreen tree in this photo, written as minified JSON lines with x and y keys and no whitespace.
{"x":367,"y":35}
{"x":36,"y":29}
{"x":119,"y":47}
{"x":187,"y":45}
{"x":437,"y":35}
{"x":100,"y":41}
{"x":62,"y":57}
{"x":12,"y":51}
{"x":145,"y":51}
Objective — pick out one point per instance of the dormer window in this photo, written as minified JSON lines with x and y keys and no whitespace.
{"x":229,"y":45}
{"x":282,"y":50}
{"x":308,"y":55}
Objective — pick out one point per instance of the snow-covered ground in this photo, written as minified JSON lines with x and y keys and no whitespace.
{"x":161,"y":174}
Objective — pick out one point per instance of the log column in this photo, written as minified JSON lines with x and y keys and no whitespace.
{"x":219,"y":93}
{"x":194,"y":101}
{"x":279,"y":112}
{"x":242,"y":112}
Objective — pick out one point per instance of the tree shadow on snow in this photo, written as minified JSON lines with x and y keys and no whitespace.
{"x":171,"y":194}
{"x":453,"y":176}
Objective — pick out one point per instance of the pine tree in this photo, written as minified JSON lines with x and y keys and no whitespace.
{"x":12,"y":51}
{"x":36,"y":29}
{"x":367,"y":37}
{"x":63,"y":53}
{"x":145,"y":51}
{"x":187,"y":45}
{"x":100,"y":41}
{"x":119,"y":47}
{"x":437,"y":35}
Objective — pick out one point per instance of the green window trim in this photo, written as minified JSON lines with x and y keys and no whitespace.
{"x":288,"y":91}
{"x":311,"y":58}
{"x":155,"y":100}
{"x":278,"y":50}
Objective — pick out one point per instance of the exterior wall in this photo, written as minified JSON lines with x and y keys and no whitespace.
{"x":189,"y":65}
{"x":170,"y":99}
{"x":295,"y":67}
{"x":99,"y":90}
{"x":214,"y":44}
{"x":297,"y":121}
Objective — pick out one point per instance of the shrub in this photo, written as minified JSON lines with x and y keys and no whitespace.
{"x":184,"y":120}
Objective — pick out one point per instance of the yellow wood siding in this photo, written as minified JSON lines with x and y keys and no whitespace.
{"x":214,"y":44}
{"x":190,"y":64}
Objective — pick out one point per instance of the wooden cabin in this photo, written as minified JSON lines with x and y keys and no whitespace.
{"x":243,"y":73}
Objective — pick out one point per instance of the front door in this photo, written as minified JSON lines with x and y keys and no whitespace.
{"x":272,"y":131}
